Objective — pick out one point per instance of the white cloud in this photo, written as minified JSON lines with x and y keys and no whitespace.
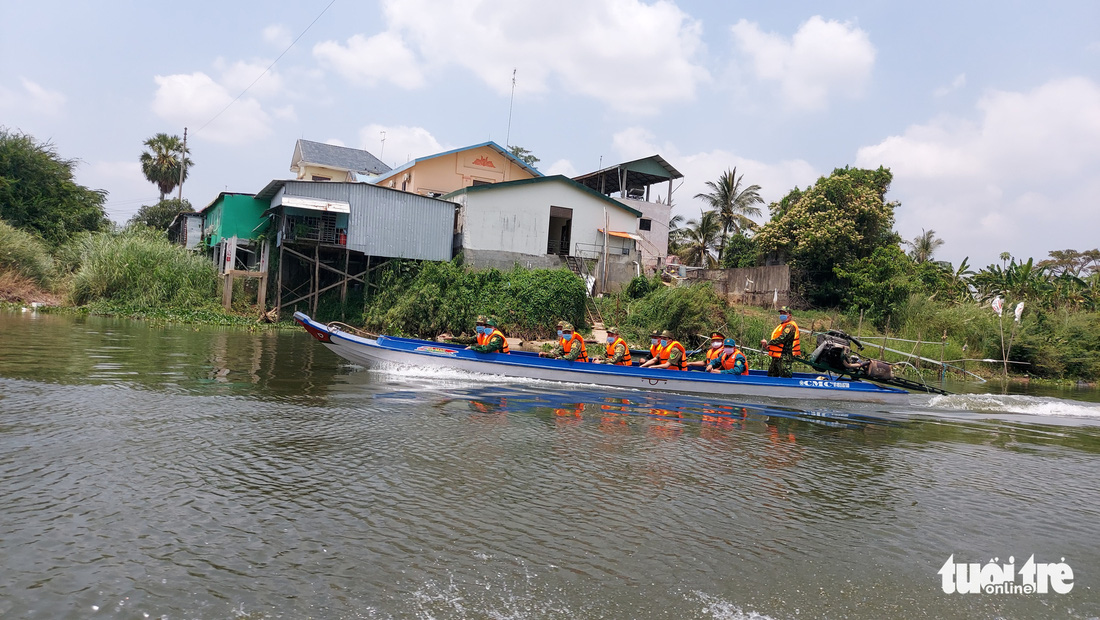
{"x":631,"y":55}
{"x":563,"y":167}
{"x":193,"y":99}
{"x":956,"y":84}
{"x":277,"y":35}
{"x":238,"y":76}
{"x":402,"y":145}
{"x":381,"y":58}
{"x":32,"y":97}
{"x":775,"y":179}
{"x":823,"y":59}
{"x":1020,"y":177}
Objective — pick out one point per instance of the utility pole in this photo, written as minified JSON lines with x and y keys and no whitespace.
{"x":183,"y":164}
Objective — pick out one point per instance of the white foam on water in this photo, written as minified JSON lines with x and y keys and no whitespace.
{"x":1010,"y":403}
{"x":454,"y":377}
{"x":721,"y":609}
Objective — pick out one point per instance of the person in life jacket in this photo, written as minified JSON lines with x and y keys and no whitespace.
{"x":783,"y":346}
{"x":570,"y":346}
{"x":494,"y":339}
{"x":714,"y":351}
{"x":482,"y":331}
{"x":672,"y":354}
{"x":732,"y":361}
{"x":617,"y":352}
{"x":654,"y":348}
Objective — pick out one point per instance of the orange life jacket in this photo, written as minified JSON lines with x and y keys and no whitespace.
{"x":482,"y":338}
{"x":775,"y":350}
{"x":729,"y":360}
{"x":713,"y":354}
{"x":610,"y":352}
{"x":497,"y":332}
{"x":567,"y":346}
{"x":655,"y":349}
{"x":664,"y":353}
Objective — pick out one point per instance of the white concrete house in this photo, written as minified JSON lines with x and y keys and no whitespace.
{"x":546,"y":222}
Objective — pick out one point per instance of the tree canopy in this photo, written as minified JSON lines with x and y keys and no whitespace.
{"x":839,"y":220}
{"x":160,"y":215}
{"x":39,"y":194}
{"x":733,"y":203}
{"x":161,"y":163}
{"x":524,"y":155}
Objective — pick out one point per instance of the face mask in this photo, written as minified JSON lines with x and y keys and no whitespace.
{"x":567,"y":335}
{"x":480,"y":329}
{"x":610,"y":339}
{"x":783,"y":318}
{"x":664,"y":342}
{"x":652,"y":341}
{"x":559,"y":333}
{"x":730,"y":350}
{"x":716,"y":344}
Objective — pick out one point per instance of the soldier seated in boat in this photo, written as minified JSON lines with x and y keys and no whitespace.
{"x":480,"y":329}
{"x":732,"y":361}
{"x":494,"y":340}
{"x":672,"y":355}
{"x":570,"y":346}
{"x":654,"y":348}
{"x":617,"y":351}
{"x":714,"y":351}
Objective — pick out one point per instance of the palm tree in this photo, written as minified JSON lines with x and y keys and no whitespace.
{"x":699,"y":239}
{"x":675,"y":233}
{"x":161,"y":166}
{"x":733,"y":204}
{"x":923,"y":246}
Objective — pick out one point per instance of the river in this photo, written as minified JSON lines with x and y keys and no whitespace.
{"x":151,"y":471}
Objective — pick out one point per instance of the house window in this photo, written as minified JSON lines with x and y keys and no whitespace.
{"x":644,"y":224}
{"x":317,"y":177}
{"x":480,"y":182}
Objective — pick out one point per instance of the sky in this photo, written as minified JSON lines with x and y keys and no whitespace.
{"x":986,"y":112}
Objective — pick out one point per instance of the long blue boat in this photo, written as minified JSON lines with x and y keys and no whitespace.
{"x":368,"y":351}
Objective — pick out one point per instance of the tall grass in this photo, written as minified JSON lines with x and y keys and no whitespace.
{"x":23,"y":255}
{"x":140,"y":269}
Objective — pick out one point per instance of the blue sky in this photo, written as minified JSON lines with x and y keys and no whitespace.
{"x":988,"y":113}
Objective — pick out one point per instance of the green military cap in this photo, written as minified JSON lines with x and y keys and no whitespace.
{"x":717,"y":335}
{"x":612,"y":330}
{"x":666,"y":334}
{"x":784,"y":310}
{"x":566,"y":327}
{"x":481,"y":318}
{"x":730,"y":342}
{"x":491,"y":322}
{"x":655,"y":334}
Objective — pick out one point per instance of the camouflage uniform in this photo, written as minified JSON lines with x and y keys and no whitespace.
{"x":781,"y":366}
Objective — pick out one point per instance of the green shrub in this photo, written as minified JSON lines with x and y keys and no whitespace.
{"x":23,"y":254}
{"x":686,"y":311}
{"x":139,"y":268}
{"x":427,"y":299}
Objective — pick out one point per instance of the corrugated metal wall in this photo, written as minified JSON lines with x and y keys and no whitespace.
{"x":386,"y":222}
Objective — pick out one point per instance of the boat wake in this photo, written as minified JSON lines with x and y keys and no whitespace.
{"x":1017,"y":404}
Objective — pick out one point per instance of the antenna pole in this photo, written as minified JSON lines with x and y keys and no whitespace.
{"x":508,"y":135}
{"x":383,"y":145}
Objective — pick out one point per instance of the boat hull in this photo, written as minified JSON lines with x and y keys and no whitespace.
{"x":410,"y":352}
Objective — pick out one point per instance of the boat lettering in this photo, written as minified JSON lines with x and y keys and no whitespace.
{"x":437,"y":351}
{"x":826,"y":384}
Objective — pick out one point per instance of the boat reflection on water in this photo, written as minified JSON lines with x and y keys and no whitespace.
{"x":577,"y":405}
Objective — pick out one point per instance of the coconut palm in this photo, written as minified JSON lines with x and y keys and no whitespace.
{"x":733,"y":204}
{"x":675,"y":233}
{"x":699,"y":238}
{"x":923,"y":246}
{"x":161,"y":163}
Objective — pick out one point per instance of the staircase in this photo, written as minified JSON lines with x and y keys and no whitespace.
{"x":579,"y":267}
